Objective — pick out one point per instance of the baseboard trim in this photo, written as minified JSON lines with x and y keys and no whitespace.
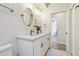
{"x":61,"y":43}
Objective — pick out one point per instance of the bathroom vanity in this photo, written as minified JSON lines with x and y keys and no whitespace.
{"x":33,"y":45}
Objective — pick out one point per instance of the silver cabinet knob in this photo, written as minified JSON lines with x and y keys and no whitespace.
{"x":41,"y":45}
{"x":66,"y":33}
{"x":48,"y":38}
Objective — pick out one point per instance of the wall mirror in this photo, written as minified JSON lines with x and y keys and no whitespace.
{"x":27,"y":17}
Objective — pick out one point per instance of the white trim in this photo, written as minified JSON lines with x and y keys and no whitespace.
{"x":61,"y":43}
{"x":59,"y":12}
{"x":73,"y":30}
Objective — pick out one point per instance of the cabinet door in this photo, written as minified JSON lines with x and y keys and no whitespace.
{"x":25,"y":48}
{"x":39,"y":46}
{"x":43,"y":46}
{"x":47,"y":41}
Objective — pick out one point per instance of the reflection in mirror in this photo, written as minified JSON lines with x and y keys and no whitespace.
{"x":27,"y":17}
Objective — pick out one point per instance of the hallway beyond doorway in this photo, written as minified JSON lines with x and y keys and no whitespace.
{"x":57,"y":46}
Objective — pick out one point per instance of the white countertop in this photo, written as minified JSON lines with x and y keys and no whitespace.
{"x":30,"y":37}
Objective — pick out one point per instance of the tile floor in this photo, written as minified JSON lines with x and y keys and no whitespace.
{"x":54,"y":50}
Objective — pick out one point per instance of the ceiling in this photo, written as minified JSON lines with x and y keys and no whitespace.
{"x":52,"y":7}
{"x":57,"y":7}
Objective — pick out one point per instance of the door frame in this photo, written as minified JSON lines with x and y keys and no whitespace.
{"x":73,"y":28}
{"x":67,"y":27}
{"x":72,"y":9}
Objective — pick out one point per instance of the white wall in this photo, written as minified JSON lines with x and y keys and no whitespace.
{"x":45,"y":17}
{"x":12,"y":24}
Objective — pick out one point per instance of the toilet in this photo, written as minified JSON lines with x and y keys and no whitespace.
{"x":6,"y":50}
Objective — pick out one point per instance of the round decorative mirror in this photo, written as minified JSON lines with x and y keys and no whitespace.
{"x":27,"y":17}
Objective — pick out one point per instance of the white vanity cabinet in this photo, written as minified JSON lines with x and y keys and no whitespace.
{"x":37,"y":46}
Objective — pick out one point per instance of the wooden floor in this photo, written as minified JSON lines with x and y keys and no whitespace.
{"x":61,"y":47}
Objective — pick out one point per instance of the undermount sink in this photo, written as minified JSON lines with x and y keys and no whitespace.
{"x":33,"y":34}
{"x":27,"y":36}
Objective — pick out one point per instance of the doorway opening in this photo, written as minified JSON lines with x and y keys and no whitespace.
{"x":58,"y":38}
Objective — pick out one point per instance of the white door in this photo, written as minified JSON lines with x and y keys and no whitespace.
{"x":68,"y":43}
{"x":63,"y":30}
{"x":61,"y":27}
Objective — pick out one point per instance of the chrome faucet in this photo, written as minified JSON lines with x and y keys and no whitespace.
{"x":31,"y":32}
